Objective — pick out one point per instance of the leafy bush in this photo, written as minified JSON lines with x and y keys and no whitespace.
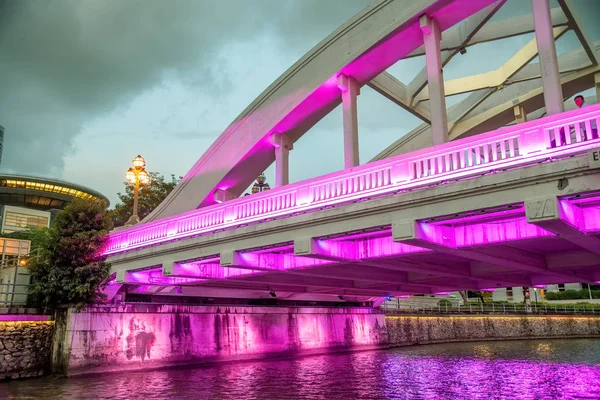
{"x":68,"y":269}
{"x":444,"y":303}
{"x":572,"y":295}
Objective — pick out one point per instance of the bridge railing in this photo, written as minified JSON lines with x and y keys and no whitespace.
{"x":491,"y":308}
{"x":558,"y":136}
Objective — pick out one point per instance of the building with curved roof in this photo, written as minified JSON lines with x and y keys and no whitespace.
{"x":30,"y":202}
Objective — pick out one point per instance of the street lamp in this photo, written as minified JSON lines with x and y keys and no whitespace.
{"x":137,"y":176}
{"x":260,"y":185}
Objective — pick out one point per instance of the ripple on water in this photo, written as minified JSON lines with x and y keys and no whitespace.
{"x":540,"y":369}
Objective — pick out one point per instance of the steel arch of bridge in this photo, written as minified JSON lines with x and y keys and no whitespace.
{"x":362,"y":48}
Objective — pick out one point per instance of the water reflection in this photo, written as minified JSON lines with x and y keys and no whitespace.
{"x":491,"y":370}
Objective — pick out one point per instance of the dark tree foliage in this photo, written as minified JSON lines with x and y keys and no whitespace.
{"x":150,"y":197}
{"x":68,"y":269}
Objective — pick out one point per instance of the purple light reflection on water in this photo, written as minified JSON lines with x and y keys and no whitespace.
{"x":540,"y":369}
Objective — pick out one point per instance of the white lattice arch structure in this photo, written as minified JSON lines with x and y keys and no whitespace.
{"x":362,"y":48}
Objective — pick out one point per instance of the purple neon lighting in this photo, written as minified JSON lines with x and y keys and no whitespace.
{"x":591,"y":222}
{"x":511,"y":147}
{"x":515,"y":229}
{"x":155,"y":277}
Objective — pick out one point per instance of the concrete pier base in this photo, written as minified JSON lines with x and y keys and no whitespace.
{"x":143,"y":337}
{"x":139,"y":337}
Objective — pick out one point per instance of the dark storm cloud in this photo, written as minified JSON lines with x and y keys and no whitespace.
{"x":65,"y":62}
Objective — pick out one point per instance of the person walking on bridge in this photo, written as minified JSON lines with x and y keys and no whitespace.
{"x":580,"y":102}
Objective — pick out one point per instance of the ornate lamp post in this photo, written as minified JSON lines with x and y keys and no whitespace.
{"x":260,"y":185}
{"x":137,"y":176}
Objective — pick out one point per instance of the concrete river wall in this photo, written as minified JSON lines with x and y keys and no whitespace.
{"x":413,"y":330}
{"x":137,"y":337}
{"x":134,"y":337}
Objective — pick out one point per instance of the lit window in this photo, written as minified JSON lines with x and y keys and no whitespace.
{"x":20,"y":221}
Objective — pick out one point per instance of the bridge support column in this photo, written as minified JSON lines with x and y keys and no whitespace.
{"x":520,"y":115}
{"x":282,"y":145}
{"x":553,"y":96}
{"x":350,"y":91}
{"x":222,"y":196}
{"x":435,"y":78}
{"x":597,"y":83}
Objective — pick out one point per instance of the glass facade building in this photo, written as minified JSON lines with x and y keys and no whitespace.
{"x":32,"y":202}
{"x":16,"y":219}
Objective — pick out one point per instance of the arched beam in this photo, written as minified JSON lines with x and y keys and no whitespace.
{"x":482,"y":111}
{"x":362,"y":48}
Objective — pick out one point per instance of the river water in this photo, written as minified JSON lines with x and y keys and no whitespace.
{"x":536,"y":369}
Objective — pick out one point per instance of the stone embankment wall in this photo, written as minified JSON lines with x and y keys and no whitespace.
{"x":25,"y":348}
{"x":412,"y":330}
{"x":134,"y":337}
{"x":137,"y":337}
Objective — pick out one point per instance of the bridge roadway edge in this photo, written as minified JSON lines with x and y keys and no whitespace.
{"x":142,"y":337}
{"x":490,"y":190}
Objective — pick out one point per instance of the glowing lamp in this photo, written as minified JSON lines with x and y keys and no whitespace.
{"x":137,"y":176}
{"x":130,"y":175}
{"x":139,"y":162}
{"x":144,"y":177}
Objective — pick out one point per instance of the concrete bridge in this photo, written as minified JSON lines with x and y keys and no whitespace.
{"x":515,"y":206}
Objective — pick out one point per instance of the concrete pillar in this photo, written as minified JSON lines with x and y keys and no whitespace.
{"x":597,"y":83}
{"x":350,"y":91}
{"x":221,"y":196}
{"x":520,"y":115}
{"x":553,"y":96}
{"x":435,"y":78}
{"x":282,"y":145}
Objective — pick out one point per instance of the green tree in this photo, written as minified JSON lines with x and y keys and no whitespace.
{"x":150,"y":197}
{"x":68,"y":268}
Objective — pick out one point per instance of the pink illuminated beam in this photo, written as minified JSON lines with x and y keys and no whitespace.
{"x":260,"y":261}
{"x":567,"y":221}
{"x":153,"y":277}
{"x":205,"y":271}
{"x":442,"y":239}
{"x":353,"y":250}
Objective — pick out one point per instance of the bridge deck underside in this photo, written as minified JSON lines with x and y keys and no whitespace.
{"x":554,"y":240}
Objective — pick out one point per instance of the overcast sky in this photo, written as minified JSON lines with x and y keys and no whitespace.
{"x":86,"y":85}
